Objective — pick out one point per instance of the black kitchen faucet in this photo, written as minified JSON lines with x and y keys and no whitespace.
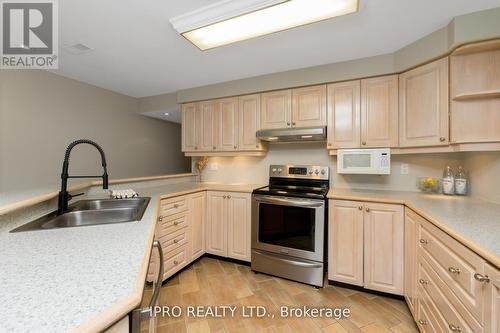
{"x":64,"y":196}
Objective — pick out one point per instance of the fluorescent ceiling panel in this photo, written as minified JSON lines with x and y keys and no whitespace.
{"x":224,"y":24}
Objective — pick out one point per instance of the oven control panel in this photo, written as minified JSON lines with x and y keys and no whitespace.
{"x":299,"y":171}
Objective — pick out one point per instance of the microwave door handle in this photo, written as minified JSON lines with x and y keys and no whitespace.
{"x":139,"y":315}
{"x":291,"y":202}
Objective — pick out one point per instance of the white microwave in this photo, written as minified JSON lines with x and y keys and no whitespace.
{"x":364,"y":161}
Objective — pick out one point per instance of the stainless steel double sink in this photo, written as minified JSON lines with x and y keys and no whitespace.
{"x":91,"y":212}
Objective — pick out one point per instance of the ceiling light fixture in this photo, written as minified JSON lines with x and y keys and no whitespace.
{"x":231,"y":21}
{"x":166,"y":113}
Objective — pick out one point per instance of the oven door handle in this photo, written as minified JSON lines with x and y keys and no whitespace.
{"x":288,"y":261}
{"x":291,"y":202}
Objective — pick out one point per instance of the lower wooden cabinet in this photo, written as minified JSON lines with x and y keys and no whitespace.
{"x":410,"y":260}
{"x":366,"y":245}
{"x":228,"y":224}
{"x":492,"y":300}
{"x":198,"y":221}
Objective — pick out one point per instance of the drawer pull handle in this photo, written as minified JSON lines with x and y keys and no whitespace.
{"x":160,"y":218}
{"x":454,"y":270}
{"x":454,"y":328}
{"x":422,"y":322}
{"x":176,"y":223}
{"x":482,"y":278}
{"x":176,"y":262}
{"x":176,"y":206}
{"x":176,"y":241}
{"x":422,"y":281}
{"x":423,"y":241}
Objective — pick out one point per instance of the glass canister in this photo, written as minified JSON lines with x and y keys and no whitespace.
{"x":448,"y":181}
{"x":461,"y":182}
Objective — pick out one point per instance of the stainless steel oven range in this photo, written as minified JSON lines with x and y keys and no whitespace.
{"x":288,"y":223}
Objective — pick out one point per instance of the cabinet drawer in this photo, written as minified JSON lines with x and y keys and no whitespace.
{"x":427,"y":316}
{"x":172,"y":224}
{"x":175,"y":262}
{"x":452,"y":311}
{"x":169,"y":207}
{"x":174,"y":240}
{"x":455,"y":264}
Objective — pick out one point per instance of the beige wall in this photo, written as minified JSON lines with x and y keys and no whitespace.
{"x":255,"y":169}
{"x":484,"y":173}
{"x":462,"y":29}
{"x":41,"y":113}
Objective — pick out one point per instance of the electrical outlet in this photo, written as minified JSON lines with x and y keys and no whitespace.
{"x":213,"y":166}
{"x":404,"y":169}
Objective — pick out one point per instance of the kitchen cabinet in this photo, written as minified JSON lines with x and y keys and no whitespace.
{"x":309,"y":106}
{"x":423,"y":105}
{"x":228,"y":224}
{"x":384,"y":246}
{"x":190,"y":127}
{"x":249,"y":122}
{"x":198,"y":213}
{"x":345,"y":250}
{"x":492,"y":304}
{"x":239,"y":226}
{"x":276,"y":109}
{"x":373,"y":237}
{"x":227,"y":124}
{"x":208,"y":127}
{"x":216,"y":231}
{"x":344,"y":115}
{"x":379,"y":111}
{"x":410,"y":260}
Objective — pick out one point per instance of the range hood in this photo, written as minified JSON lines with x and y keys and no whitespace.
{"x":293,"y":134}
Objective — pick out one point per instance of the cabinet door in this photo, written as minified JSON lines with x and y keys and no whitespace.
{"x":309,"y":106}
{"x":197,"y":225}
{"x":344,"y":115}
{"x":410,"y":260}
{"x":228,"y":124}
{"x":190,"y":127}
{"x":383,"y":239}
{"x":345,"y":242}
{"x":208,"y":114}
{"x":379,"y":112}
{"x":423,"y":105}
{"x":492,"y":305}
{"x":239,"y":225}
{"x":249,"y":122}
{"x":276,"y":109}
{"x":216,"y":235}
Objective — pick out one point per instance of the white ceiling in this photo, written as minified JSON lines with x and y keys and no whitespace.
{"x":137,"y":52}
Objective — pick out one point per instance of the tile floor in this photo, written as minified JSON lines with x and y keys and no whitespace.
{"x":215,"y":282}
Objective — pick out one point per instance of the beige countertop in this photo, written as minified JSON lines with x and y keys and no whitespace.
{"x":473,"y":222}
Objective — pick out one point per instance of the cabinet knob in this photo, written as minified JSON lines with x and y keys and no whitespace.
{"x":229,"y":197}
{"x":482,"y":278}
{"x":360,"y":207}
{"x":176,"y":206}
{"x":442,"y":139}
{"x":422,"y":281}
{"x":176,"y":241}
{"x":224,"y":197}
{"x":293,"y":123}
{"x":363,"y":143}
{"x":256,"y":146}
{"x":288,"y":124}
{"x":160,"y":218}
{"x":454,"y":270}
{"x":176,"y":262}
{"x":367,"y":209}
{"x":423,"y":241}
{"x":196,"y":148}
{"x":422,"y":322}
{"x":235,"y":147}
{"x":214,"y":147}
{"x":176,"y":223}
{"x":454,"y":328}
{"x":329,"y":144}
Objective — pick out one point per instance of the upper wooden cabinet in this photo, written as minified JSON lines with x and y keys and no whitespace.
{"x":276,"y":109}
{"x":475,"y":93}
{"x":423,"y":105}
{"x":227,"y":124}
{"x":249,"y":122}
{"x":379,"y":112}
{"x":344,"y":115}
{"x":208,"y":125}
{"x":309,"y":106}
{"x":190,"y":126}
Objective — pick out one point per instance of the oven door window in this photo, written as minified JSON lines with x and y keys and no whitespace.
{"x":287,"y":226}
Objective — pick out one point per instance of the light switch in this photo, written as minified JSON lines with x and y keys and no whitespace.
{"x":404,"y":169}
{"x":213,"y":166}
